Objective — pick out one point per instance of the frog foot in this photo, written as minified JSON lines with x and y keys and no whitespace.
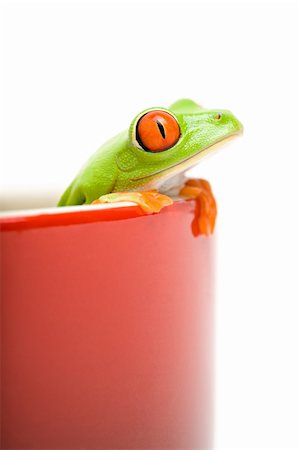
{"x":149,"y":201}
{"x":206,"y":208}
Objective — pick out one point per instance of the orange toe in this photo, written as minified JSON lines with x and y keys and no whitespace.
{"x":149,"y":201}
{"x":206,"y":208}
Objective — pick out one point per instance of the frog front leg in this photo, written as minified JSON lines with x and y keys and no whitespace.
{"x":149,"y":201}
{"x":206,"y":208}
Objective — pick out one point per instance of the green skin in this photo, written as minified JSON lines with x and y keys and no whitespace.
{"x":121,"y":165}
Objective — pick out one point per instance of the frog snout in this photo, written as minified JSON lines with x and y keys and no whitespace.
{"x":229,"y":120}
{"x":237,"y":124}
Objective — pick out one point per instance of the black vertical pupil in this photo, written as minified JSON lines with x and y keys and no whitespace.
{"x":161,"y":128}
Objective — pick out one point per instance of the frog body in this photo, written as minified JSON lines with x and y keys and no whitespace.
{"x":122,"y":165}
{"x":152,"y":155}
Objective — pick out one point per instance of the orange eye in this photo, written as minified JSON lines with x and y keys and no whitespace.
{"x":157,"y":131}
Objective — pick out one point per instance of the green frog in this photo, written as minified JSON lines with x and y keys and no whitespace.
{"x":146,"y":163}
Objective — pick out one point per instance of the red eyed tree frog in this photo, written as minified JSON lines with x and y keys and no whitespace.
{"x":146,"y":163}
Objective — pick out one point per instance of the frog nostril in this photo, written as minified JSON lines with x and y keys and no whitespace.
{"x":218,"y":116}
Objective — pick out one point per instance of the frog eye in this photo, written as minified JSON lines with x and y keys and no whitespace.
{"x":157,"y":131}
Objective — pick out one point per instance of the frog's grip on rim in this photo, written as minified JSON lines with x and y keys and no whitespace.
{"x":149,"y":201}
{"x":206,"y":208}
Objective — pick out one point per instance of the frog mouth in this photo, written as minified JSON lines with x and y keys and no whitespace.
{"x":191,"y":161}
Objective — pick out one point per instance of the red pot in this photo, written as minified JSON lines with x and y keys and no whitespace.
{"x":106,"y":329}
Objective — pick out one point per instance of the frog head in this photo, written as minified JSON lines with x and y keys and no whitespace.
{"x":162,"y":142}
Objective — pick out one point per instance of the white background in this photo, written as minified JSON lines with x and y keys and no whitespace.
{"x":76,"y":73}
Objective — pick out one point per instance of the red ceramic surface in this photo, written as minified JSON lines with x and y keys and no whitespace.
{"x":106,"y":330}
